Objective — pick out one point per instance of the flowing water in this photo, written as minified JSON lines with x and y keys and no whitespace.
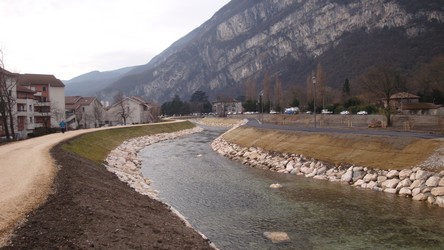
{"x":233,"y":205}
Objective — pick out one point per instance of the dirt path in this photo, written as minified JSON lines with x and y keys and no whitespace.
{"x":26,"y":175}
{"x":73,"y":203}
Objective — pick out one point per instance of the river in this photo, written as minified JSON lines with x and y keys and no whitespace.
{"x":233,"y":205}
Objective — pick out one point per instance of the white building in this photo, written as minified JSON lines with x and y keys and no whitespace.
{"x":49,"y":99}
{"x":83,"y":112}
{"x":130,"y":110}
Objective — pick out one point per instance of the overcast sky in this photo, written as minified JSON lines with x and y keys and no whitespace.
{"x":67,"y":38}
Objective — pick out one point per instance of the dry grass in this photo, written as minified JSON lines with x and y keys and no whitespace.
{"x":97,"y":145}
{"x":222,"y":121}
{"x":371,"y":151}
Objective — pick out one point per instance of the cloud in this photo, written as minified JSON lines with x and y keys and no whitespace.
{"x":65,"y":38}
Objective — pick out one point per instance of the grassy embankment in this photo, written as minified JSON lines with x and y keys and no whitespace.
{"x":97,"y":145}
{"x":370,"y":151}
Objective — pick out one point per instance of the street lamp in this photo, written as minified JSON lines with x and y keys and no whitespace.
{"x":313,"y":78}
{"x":261,"y":94}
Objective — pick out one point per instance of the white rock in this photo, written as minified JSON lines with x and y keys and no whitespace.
{"x":370,"y":177}
{"x":404,"y":183}
{"x":439,"y":201}
{"x":405,"y":191}
{"x":357,"y":169}
{"x":441,"y":182}
{"x":391,"y":183}
{"x":405,"y":173}
{"x":431,"y":199}
{"x":417,"y":184}
{"x":433,"y":181}
{"x":321,"y":170}
{"x":277,"y":237}
{"x":390,"y":190}
{"x":392,"y":174}
{"x":359,"y":183}
{"x":275,"y":185}
{"x":438,"y":191}
{"x":416,"y":191}
{"x":381,"y":178}
{"x":347,"y":177}
{"x":420,"y":197}
{"x":372,"y":184}
{"x":422,"y":174}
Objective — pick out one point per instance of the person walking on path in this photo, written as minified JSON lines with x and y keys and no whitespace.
{"x":63,"y":126}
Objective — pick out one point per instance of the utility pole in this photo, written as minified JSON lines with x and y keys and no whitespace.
{"x":313,"y":78}
{"x":261,"y":94}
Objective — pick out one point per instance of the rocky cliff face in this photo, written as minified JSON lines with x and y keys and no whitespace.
{"x":247,"y":38}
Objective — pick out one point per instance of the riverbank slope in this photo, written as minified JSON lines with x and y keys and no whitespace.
{"x":89,"y":207}
{"x":383,"y":152}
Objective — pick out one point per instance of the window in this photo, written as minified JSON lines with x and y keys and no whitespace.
{"x":83,"y":109}
{"x":44,"y":89}
{"x":30,"y":107}
{"x":30,"y":120}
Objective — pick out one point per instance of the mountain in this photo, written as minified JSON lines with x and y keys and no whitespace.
{"x":90,"y":83}
{"x":248,"y":38}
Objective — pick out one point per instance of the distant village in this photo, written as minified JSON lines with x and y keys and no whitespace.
{"x":35,"y":104}
{"x":38,"y":104}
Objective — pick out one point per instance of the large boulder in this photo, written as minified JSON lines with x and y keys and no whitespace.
{"x":438,"y":191}
{"x":348,"y":176}
{"x":392,"y":174}
{"x":391,"y":183}
{"x":433,"y":181}
{"x":277,"y":237}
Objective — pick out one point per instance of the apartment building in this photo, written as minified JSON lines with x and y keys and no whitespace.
{"x":48,"y":100}
{"x":37,"y":101}
{"x":83,"y":112}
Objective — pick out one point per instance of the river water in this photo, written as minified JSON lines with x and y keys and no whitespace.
{"x":233,"y":205}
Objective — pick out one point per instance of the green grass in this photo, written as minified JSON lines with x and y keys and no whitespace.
{"x":97,"y":145}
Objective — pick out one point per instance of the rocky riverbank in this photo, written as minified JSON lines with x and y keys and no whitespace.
{"x":125,"y":164}
{"x":418,"y":183}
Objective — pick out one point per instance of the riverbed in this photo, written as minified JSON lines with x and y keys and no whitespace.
{"x":233,"y":205}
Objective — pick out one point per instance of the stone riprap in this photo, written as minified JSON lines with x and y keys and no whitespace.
{"x":125,"y":164}
{"x":416,"y":182}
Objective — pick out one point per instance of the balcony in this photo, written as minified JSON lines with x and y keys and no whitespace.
{"x":22,"y":113}
{"x":42,"y":104}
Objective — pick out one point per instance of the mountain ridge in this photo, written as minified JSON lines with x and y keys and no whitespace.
{"x":247,"y":39}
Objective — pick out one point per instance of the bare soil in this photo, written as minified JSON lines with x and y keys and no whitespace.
{"x":91,"y":208}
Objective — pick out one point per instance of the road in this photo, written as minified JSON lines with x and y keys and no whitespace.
{"x":356,"y":131}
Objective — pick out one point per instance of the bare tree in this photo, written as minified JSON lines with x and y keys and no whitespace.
{"x":266,"y":98}
{"x":48,"y":113}
{"x":382,"y":81}
{"x":78,"y":113}
{"x":321,"y":85}
{"x":123,"y":111}
{"x":8,"y":83}
{"x":98,"y":113}
{"x":278,"y":97}
{"x":250,"y":91}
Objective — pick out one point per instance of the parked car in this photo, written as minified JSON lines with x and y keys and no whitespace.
{"x":345,"y":112}
{"x":363,"y":112}
{"x":273,"y":112}
{"x":326,"y":111}
{"x":308,"y":112}
{"x":291,"y":111}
